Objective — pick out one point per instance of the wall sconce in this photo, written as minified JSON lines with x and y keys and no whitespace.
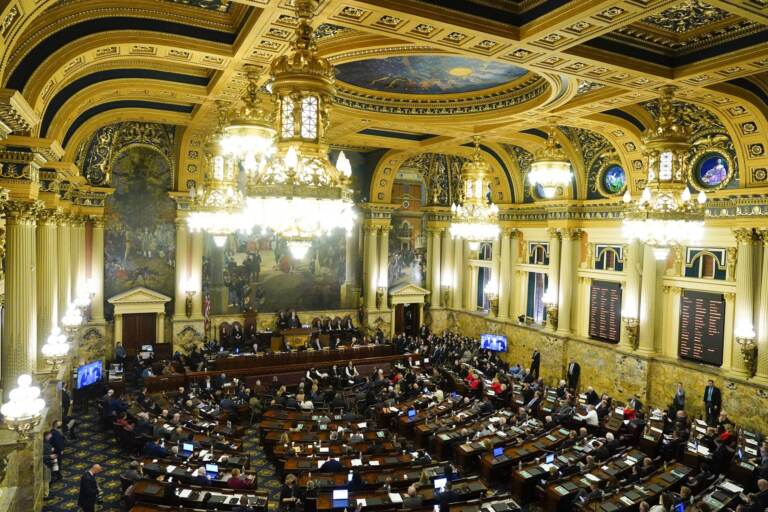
{"x":188,"y":302}
{"x":445,"y":295}
{"x":745,"y":337}
{"x":632,"y":329}
{"x":55,"y":349}
{"x":71,"y":321}
{"x":381,"y":292}
{"x":550,"y":303}
{"x":492,"y":295}
{"x":24,"y":408}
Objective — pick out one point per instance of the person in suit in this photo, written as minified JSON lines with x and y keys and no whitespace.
{"x":572,"y":374}
{"x":315,"y":343}
{"x":592,"y":397}
{"x":243,"y":506}
{"x":293,"y":320}
{"x":535,"y":364}
{"x":331,"y":466}
{"x":89,"y":489}
{"x":412,"y":499}
{"x":712,"y":402}
{"x":758,"y":501}
{"x":201,"y":478}
{"x":678,"y":401}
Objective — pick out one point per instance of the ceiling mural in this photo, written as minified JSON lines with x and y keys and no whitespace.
{"x":686,"y":16}
{"x":211,"y":5}
{"x":427,"y":74}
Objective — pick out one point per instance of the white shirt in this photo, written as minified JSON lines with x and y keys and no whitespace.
{"x":590,"y":418}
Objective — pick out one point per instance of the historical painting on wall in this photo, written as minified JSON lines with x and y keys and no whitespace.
{"x":140,"y":236}
{"x":258,"y":273}
{"x":407,"y":238}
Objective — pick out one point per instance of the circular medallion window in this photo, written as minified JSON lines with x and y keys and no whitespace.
{"x":612,"y":180}
{"x":711,"y":170}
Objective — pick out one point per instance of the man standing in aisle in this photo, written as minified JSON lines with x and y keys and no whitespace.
{"x":572,"y":374}
{"x":89,"y":489}
{"x":535,"y":364}
{"x":712,"y":402}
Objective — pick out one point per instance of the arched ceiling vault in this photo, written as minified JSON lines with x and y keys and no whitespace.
{"x":582,"y":53}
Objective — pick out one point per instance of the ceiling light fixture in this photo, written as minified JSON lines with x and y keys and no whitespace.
{"x":551,"y":169}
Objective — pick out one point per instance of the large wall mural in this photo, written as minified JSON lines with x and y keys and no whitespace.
{"x":407,"y":240}
{"x":140,"y":235}
{"x":428,"y":74}
{"x":258,"y":273}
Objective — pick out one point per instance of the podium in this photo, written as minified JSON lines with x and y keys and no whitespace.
{"x":296,"y":338}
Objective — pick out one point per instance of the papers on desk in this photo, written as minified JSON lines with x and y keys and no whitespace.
{"x":324,"y":449}
{"x":395,"y":497}
{"x":356,"y":462}
{"x":592,"y":478}
{"x":731,"y":487}
{"x":361,"y":501}
{"x":630,"y":460}
{"x":170,"y":468}
{"x":373,"y":463}
{"x":546,"y":466}
{"x":362,"y":425}
{"x":703,"y":450}
{"x":393,"y":409}
{"x":626,"y":500}
{"x":750,"y":451}
{"x":185,"y":493}
{"x":320,"y":464}
{"x":751,"y":441}
{"x":501,"y":433}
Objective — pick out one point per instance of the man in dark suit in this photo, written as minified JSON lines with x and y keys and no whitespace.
{"x":712,"y":402}
{"x":331,"y":466}
{"x":535,"y":364}
{"x":572,"y":374}
{"x":89,"y":489}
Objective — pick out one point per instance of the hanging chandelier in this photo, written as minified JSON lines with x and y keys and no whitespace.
{"x":476,"y":219}
{"x":551,"y":169}
{"x":249,"y":136}
{"x":665,"y":215}
{"x":299,"y":194}
{"x":217,"y":208}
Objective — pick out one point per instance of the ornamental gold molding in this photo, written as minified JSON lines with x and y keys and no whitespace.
{"x":22,"y":211}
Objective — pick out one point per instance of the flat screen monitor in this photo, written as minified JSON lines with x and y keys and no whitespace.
{"x":340,"y":494}
{"x":88,"y":374}
{"x":146,"y":348}
{"x":497,"y":452}
{"x":411,"y":413}
{"x":212,"y":468}
{"x":550,"y":458}
{"x":440,"y":483}
{"x":494,"y":342}
{"x":188,"y":447}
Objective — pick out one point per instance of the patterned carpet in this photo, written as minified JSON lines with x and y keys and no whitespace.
{"x":96,"y":446}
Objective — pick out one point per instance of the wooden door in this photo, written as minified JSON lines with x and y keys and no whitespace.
{"x":399,"y":319}
{"x":412,"y":320}
{"x":138,"y":330}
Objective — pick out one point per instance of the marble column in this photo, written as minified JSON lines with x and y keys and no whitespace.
{"x":630,"y":295}
{"x":434,"y":268}
{"x":196,"y":274}
{"x":743,"y":306}
{"x":446,"y":277}
{"x":97,"y":271}
{"x":182,"y":269}
{"x":553,"y":284}
{"x":78,"y":257}
{"x":565,"y":291}
{"x":428,"y":260}
{"x":647,"y":315}
{"x":514,"y":286}
{"x":47,"y":279}
{"x":458,"y":273}
{"x":383,"y":278}
{"x":761,"y":321}
{"x":19,"y":336}
{"x":350,"y":290}
{"x":505,"y":269}
{"x":370,"y":269}
{"x":64,"y":252}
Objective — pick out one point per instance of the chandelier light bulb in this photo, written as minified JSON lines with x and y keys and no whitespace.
{"x":627,"y":198}
{"x":291,"y":158}
{"x":344,"y":165}
{"x":549,"y":192}
{"x":660,"y":253}
{"x":685,"y":195}
{"x":702,"y":197}
{"x":646,"y":195}
{"x":299,"y":248}
{"x":219,"y":240}
{"x":473,"y":246}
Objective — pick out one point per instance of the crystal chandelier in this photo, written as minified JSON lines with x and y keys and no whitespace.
{"x":299,"y":194}
{"x":217,"y":208}
{"x":56,"y":348}
{"x":476,"y":219}
{"x":24,"y":408}
{"x":551,"y":169}
{"x":249,"y":137}
{"x":665,"y":215}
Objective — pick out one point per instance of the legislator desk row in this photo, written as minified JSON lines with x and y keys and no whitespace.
{"x":293,"y":366}
{"x":196,"y":497}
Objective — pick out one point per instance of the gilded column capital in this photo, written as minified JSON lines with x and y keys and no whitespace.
{"x":181,"y":223}
{"x":571,"y":233}
{"x":48,"y":216}
{"x":98,"y":222}
{"x":22,"y":211}
{"x":729,"y":296}
{"x":672,"y":289}
{"x":743,"y":235}
{"x":511,"y":232}
{"x":370,"y":228}
{"x":385,"y":229}
{"x":553,"y":233}
{"x":762,"y":235}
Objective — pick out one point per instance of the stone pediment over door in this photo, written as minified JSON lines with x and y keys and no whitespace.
{"x":139,"y":300}
{"x":407,"y":294}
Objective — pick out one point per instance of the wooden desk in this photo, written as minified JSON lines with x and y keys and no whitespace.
{"x":311,"y":465}
{"x":373,"y":479}
{"x":494,"y":469}
{"x":152,"y":491}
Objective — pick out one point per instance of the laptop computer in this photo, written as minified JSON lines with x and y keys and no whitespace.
{"x":498,"y":452}
{"x":187,"y":449}
{"x":550,"y":458}
{"x":440,"y":483}
{"x":340,"y":498}
{"x":212,"y":470}
{"x":411,"y":413}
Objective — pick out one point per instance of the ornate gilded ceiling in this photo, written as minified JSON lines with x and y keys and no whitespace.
{"x":414,"y":76}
